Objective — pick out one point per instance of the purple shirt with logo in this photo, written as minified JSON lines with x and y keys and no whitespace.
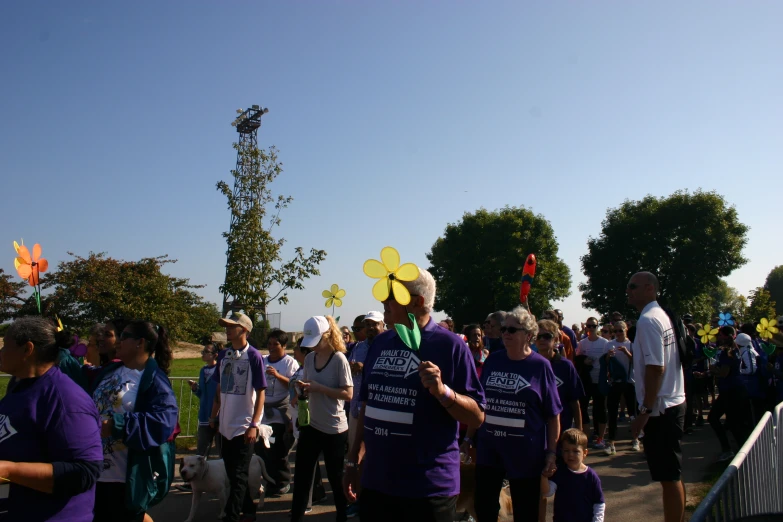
{"x":576,"y":494}
{"x":569,"y":388}
{"x":50,"y":420}
{"x":410,"y":439}
{"x":521,"y":396}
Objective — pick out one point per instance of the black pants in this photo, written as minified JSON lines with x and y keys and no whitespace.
{"x":620,"y":389}
{"x":380,"y":507}
{"x":236,"y":457}
{"x":662,"y":444}
{"x":311,"y":443}
{"x":276,"y":457}
{"x":525,"y":495}
{"x":110,"y":504}
{"x":599,"y":406}
{"x":736,"y":405}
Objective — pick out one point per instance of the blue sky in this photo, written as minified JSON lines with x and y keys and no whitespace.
{"x":392,"y":118}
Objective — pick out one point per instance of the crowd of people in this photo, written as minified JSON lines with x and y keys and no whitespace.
{"x":397,"y":405}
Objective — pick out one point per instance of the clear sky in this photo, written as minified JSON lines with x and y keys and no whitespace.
{"x":392,"y":118}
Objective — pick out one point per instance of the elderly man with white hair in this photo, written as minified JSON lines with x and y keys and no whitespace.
{"x":412,"y":402}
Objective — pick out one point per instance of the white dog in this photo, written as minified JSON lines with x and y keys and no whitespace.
{"x":209,"y":476}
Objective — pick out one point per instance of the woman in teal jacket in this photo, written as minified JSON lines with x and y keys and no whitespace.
{"x":139,"y":412}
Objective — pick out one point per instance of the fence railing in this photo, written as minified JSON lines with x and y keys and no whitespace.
{"x":188,"y":408}
{"x":750,"y":485}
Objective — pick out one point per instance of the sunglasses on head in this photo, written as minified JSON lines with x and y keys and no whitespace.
{"x":546,"y":336}
{"x":511,"y":329}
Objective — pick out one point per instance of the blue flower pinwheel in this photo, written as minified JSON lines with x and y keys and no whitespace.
{"x":725,"y":319}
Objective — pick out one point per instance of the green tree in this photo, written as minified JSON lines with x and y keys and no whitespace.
{"x":688,"y":240}
{"x":11,"y":298}
{"x":774,"y":285}
{"x":88,"y":290}
{"x":477,"y":264}
{"x":761,"y":305}
{"x":256,"y":274}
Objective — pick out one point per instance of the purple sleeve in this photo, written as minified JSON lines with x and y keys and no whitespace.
{"x":216,"y":374}
{"x":598,"y":492}
{"x":550,"y":399}
{"x":256,"y":368}
{"x":75,"y":435}
{"x":466,"y":380}
{"x":577,"y":388}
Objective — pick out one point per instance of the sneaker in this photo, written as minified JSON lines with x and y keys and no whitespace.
{"x":320,"y":499}
{"x":599,"y":444}
{"x":352,"y":511}
{"x":726,"y":455}
{"x":609,"y":450}
{"x":621,"y":417}
{"x":184,"y":487}
{"x":635,"y":446}
{"x":279,"y":492}
{"x":308,"y":510}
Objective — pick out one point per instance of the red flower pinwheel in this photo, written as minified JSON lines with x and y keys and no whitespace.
{"x":28,"y":267}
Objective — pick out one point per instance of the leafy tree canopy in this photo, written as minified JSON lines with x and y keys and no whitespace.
{"x":688,"y":240}
{"x":11,"y":295}
{"x":774,"y":285}
{"x":477,"y":264}
{"x":761,"y":305}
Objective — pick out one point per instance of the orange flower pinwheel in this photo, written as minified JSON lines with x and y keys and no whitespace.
{"x":30,"y":267}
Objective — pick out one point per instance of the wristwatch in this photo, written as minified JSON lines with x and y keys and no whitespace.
{"x":467,"y":439}
{"x":349,"y":464}
{"x":644,"y":410}
{"x":254,"y":425}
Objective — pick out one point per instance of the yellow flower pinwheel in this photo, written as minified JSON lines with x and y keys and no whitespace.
{"x":767,"y":328}
{"x":334,"y":296}
{"x":389,"y":273}
{"x":707,"y":335}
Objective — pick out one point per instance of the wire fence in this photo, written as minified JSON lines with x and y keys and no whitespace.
{"x":751,"y":483}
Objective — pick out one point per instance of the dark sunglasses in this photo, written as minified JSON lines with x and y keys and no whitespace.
{"x":545,"y":336}
{"x":618,"y":330}
{"x":127,"y":335}
{"x":591,"y":326}
{"x":604,"y":330}
{"x":632,"y":286}
{"x":357,"y":328}
{"x":511,"y":329}
{"x":205,"y":352}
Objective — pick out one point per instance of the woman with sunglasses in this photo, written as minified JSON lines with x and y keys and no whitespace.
{"x":205,"y":390}
{"x":518,"y":438}
{"x":139,"y":412}
{"x":619,"y":362}
{"x":607,"y":333}
{"x":593,"y":348}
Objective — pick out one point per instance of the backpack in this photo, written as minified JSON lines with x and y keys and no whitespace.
{"x":686,"y":346}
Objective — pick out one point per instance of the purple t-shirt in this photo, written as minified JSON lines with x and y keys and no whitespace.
{"x":521,"y":396}
{"x":569,"y":388}
{"x":576,"y":494}
{"x":410,"y":439}
{"x":51,"y":420}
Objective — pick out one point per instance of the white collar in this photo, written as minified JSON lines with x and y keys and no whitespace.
{"x":650,"y":305}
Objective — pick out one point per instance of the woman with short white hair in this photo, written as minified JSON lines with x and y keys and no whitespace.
{"x":519,"y":436}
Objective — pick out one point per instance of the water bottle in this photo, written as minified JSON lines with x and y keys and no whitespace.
{"x":304,"y":411}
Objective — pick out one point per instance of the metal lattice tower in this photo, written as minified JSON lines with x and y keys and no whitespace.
{"x":247,"y":123}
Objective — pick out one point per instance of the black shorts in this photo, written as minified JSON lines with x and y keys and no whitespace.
{"x":662,"y":436}
{"x":380,"y":507}
{"x":110,"y":504}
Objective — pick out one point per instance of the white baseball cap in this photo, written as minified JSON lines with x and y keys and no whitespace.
{"x":314,"y":328}
{"x":743,"y":340}
{"x":374,"y":316}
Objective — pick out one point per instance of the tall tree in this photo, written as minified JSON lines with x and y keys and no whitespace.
{"x":88,"y":290}
{"x":761,"y":305}
{"x":477,"y":264}
{"x":11,"y":300}
{"x":774,"y":285}
{"x":256,"y":274}
{"x":688,"y":240}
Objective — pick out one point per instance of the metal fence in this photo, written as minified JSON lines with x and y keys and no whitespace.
{"x":750,"y":485}
{"x":188,"y":408}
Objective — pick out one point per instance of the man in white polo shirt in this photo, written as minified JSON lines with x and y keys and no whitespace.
{"x":239,"y":399}
{"x":660,"y":391}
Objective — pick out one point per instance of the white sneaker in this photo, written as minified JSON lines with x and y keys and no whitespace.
{"x":609,"y":450}
{"x":635,"y":446}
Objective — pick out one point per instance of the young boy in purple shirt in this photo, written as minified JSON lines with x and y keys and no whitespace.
{"x":579,"y":495}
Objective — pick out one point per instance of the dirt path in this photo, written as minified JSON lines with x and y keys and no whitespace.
{"x":626,"y":482}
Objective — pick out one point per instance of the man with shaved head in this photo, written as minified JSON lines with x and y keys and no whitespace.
{"x":660,"y":391}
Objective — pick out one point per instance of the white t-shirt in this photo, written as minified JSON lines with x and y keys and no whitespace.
{"x":327,"y":415}
{"x":116,"y":393}
{"x":276,"y":390}
{"x":621,"y":357}
{"x":241,"y":374}
{"x":594,"y":350}
{"x":656,"y":345}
